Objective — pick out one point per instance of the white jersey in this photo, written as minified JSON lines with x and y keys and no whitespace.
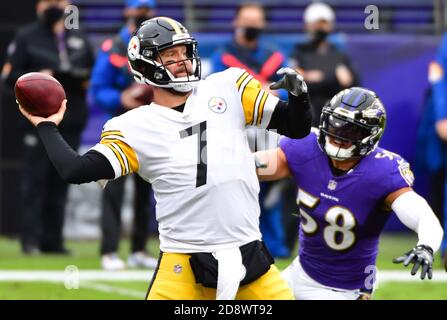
{"x":198,"y":161}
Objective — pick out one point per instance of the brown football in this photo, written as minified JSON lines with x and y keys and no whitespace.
{"x":39,"y":93}
{"x":143,"y":93}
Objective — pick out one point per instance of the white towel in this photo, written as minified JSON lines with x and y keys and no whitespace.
{"x":230,"y":273}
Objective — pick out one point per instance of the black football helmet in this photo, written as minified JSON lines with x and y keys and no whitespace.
{"x":354,"y":115}
{"x":153,"y":36}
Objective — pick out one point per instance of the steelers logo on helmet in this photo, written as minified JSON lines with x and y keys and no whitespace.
{"x":351,"y":124}
{"x":155,"y":36}
{"x":133,"y":49}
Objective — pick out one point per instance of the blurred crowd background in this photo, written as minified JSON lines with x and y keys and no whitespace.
{"x":401,"y":61}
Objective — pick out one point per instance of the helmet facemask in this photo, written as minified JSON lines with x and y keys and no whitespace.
{"x":363,"y":138}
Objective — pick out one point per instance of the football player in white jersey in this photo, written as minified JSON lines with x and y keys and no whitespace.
{"x":190,"y":143}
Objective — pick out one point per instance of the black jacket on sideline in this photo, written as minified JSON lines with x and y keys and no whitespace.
{"x":35,"y":48}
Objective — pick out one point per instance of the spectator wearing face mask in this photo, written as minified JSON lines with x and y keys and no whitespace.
{"x":325,"y":69}
{"x":65,"y":53}
{"x":113,"y":90}
{"x":247,"y":51}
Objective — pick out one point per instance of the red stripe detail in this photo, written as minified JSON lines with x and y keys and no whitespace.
{"x":231,"y":61}
{"x":107,"y":45}
{"x":271,"y":65}
{"x":117,"y":60}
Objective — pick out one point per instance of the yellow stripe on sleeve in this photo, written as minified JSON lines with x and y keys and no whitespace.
{"x":249,"y":95}
{"x":261,"y":108}
{"x":111,"y":133}
{"x":241,"y":79}
{"x":118,"y":156}
{"x":127,"y":150}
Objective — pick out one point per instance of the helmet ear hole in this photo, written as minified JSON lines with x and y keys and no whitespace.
{"x":158,"y":75}
{"x":147,"y":53}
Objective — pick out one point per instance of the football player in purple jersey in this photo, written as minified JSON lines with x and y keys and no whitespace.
{"x":347,"y":188}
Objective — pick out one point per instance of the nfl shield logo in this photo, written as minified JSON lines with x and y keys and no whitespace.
{"x":178,"y":268}
{"x":332,"y":185}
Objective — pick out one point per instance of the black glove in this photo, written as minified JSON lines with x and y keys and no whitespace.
{"x":421,"y":255}
{"x":292,"y":81}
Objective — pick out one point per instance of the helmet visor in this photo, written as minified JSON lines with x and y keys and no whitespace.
{"x":345,"y":129}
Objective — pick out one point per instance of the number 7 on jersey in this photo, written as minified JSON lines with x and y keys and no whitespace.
{"x":200,"y":130}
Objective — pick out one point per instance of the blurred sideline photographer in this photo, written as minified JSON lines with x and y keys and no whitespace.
{"x":47,"y":46}
{"x":325,"y":69}
{"x":113,"y":89}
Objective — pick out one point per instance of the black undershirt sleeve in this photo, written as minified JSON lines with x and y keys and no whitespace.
{"x":72,"y":167}
{"x":293,"y":118}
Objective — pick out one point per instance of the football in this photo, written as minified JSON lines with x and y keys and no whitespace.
{"x":143,"y":93}
{"x":39,"y":93}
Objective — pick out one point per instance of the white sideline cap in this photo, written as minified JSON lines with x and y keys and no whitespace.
{"x":318,"y":11}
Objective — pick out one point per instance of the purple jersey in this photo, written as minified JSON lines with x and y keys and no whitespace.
{"x":342,"y":217}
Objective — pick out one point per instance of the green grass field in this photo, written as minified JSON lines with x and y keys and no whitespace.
{"x":86,"y":257}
